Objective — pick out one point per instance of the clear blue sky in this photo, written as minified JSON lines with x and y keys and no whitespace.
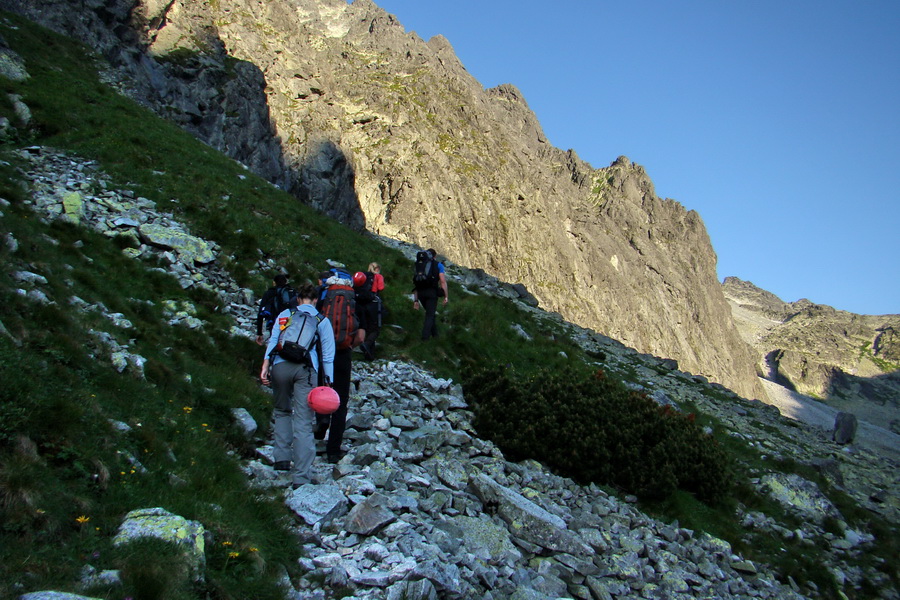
{"x":778,"y":122}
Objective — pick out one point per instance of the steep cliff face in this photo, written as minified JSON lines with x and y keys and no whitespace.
{"x":852,"y":361}
{"x":340,"y":105}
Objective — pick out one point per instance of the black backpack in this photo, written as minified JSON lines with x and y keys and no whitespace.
{"x":426,"y":275}
{"x":272,"y":304}
{"x":364,"y":293}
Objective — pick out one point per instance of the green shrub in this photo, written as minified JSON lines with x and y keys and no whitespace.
{"x":594,"y":429}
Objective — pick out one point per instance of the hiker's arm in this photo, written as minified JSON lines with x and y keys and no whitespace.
{"x":264,"y":372}
{"x":326,"y":339}
{"x":444,"y":287}
{"x":416,"y":299}
{"x":259,"y":322}
{"x":273,"y":339}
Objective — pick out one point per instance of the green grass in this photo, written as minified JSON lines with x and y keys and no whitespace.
{"x":67,"y":476}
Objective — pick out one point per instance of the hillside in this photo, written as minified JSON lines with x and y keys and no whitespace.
{"x":850,"y":361}
{"x":131,"y":255}
{"x":344,"y":109}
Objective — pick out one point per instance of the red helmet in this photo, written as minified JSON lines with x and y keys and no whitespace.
{"x":323,"y":400}
{"x":359,"y":278}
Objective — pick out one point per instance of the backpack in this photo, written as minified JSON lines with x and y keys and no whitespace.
{"x":297,"y":336}
{"x":426,"y":273}
{"x":364,"y":292}
{"x":339,"y":305}
{"x":272,"y":306}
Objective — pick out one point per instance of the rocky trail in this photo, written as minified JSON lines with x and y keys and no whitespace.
{"x":422,"y":508}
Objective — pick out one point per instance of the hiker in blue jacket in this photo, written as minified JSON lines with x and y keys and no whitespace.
{"x":291,"y":383}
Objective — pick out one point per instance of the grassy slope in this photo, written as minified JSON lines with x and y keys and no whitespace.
{"x":60,"y":460}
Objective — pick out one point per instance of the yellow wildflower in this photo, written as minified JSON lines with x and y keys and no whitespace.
{"x":233,"y":554}
{"x":83,"y":519}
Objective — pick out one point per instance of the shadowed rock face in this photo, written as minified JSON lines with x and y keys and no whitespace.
{"x":849,"y":360}
{"x":341,"y":106}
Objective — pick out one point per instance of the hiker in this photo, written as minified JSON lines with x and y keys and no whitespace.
{"x":367,"y":285}
{"x":274,"y":300}
{"x":293,"y":378}
{"x":429,"y":284}
{"x":337,"y":300}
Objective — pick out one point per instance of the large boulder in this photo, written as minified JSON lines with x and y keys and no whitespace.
{"x":844,"y":428}
{"x":160,"y":524}
{"x":527,"y":520}
{"x":190,"y":249}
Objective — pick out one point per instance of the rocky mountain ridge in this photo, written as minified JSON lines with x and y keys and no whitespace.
{"x":385,"y":520}
{"x":850,"y":361}
{"x":341,"y":106}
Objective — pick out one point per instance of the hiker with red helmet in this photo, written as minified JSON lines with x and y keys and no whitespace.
{"x":367,"y":285}
{"x":300,"y":348}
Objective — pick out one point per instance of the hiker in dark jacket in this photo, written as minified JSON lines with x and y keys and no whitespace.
{"x":333,"y":425}
{"x":267,"y":311}
{"x":428,"y":298}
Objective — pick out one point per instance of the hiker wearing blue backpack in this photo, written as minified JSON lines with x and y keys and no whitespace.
{"x":429,"y":284}
{"x":274,"y":300}
{"x":300,"y":348}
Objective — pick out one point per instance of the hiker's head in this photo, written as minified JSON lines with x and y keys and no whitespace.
{"x":280,"y":279}
{"x":307,"y":291}
{"x":375,"y":267}
{"x":432,"y":252}
{"x":324,"y":275}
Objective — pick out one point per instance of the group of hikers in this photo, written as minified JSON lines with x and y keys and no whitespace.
{"x":313,"y":332}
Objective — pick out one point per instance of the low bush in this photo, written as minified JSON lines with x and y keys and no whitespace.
{"x":594,"y":429}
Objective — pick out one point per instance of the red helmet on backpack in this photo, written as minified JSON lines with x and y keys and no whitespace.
{"x":323,"y":400}
{"x":359,"y":278}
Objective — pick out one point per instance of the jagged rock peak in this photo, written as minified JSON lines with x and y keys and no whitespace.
{"x":746,"y":293}
{"x":343,"y":108}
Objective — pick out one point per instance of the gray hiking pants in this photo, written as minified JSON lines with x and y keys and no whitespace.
{"x":294,"y":419}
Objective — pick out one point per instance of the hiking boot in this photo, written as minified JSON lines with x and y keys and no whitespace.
{"x":282,"y":465}
{"x":312,"y":480}
{"x":335,"y":458}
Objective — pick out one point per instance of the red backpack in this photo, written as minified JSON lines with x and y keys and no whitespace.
{"x":339,"y":305}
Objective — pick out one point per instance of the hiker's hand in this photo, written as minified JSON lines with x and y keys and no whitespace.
{"x":264,"y":372}
{"x":416,"y":304}
{"x":259,"y":340}
{"x":446,"y":299}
